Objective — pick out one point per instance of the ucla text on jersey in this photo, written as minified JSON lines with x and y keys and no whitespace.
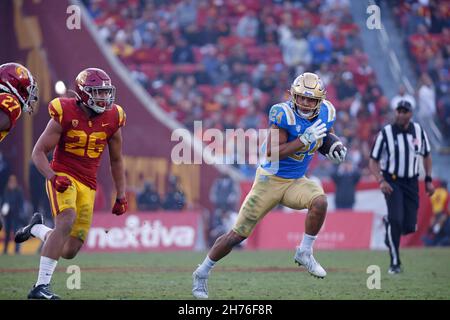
{"x":283,"y":116}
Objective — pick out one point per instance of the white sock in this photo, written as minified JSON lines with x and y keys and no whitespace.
{"x":46,"y":268}
{"x":307,"y":242}
{"x":40,"y":231}
{"x":206,"y":266}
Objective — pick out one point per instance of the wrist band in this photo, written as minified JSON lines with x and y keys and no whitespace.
{"x":428,"y":179}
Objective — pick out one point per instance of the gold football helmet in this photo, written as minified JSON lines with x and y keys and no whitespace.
{"x":310,"y":86}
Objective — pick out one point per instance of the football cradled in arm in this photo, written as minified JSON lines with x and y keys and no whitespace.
{"x":333,"y":148}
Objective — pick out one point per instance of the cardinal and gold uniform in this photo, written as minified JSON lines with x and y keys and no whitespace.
{"x":9,"y":105}
{"x":77,"y":156}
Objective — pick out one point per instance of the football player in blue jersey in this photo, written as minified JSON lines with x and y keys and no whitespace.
{"x":301,"y":124}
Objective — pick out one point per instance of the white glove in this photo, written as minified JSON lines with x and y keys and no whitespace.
{"x":5,"y":209}
{"x":436,"y":228}
{"x":337,"y":157}
{"x":315,"y":132}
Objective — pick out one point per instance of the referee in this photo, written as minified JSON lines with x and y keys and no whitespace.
{"x":394,"y":161}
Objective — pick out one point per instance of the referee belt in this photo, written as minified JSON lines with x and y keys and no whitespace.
{"x":394,"y":177}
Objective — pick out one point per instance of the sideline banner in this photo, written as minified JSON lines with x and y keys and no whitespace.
{"x":342,"y":230}
{"x":142,"y":232}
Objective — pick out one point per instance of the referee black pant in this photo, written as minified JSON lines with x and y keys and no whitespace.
{"x":402,"y":204}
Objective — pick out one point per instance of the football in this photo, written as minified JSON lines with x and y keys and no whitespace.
{"x":330,"y":144}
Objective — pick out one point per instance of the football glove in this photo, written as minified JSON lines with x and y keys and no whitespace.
{"x":60,"y":183}
{"x":337,"y":156}
{"x":120,"y":207}
{"x":315,"y":132}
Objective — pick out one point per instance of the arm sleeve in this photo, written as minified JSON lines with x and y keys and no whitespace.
{"x":425,"y":143}
{"x":377,"y":147}
{"x":331,"y":113}
{"x":55,"y":110}
{"x":278,"y":117}
{"x":122,"y":116}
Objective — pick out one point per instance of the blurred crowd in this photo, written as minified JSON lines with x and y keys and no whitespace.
{"x":13,"y":207}
{"x":425,"y":25}
{"x":227,"y":62}
{"x":148,"y":199}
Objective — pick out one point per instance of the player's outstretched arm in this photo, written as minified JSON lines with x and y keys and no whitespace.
{"x":117,"y":171}
{"x":46,"y":143}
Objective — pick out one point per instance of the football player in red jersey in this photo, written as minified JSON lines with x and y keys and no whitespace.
{"x":18,"y":92}
{"x":79,"y":129}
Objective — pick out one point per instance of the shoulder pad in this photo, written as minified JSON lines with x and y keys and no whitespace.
{"x":55,"y":110}
{"x":122,"y":116}
{"x":331,"y":111}
{"x":282,"y":115}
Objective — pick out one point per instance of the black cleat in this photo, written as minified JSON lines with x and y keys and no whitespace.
{"x":395,"y":269}
{"x":23,"y":234}
{"x":42,"y":292}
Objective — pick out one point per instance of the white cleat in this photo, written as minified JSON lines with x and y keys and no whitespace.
{"x":306,"y":259}
{"x":199,"y":286}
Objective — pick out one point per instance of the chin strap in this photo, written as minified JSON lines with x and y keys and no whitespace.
{"x":303,"y":115}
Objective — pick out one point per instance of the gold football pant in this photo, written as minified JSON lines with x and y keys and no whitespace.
{"x":79,"y":197}
{"x":267,"y":192}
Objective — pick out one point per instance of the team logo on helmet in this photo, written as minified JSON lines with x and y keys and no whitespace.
{"x":21,"y":72}
{"x":307,"y":85}
{"x":82,"y":76}
{"x":17,"y":80}
{"x":94,"y":89}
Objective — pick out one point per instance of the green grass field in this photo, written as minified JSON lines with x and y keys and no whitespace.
{"x":241,"y":275}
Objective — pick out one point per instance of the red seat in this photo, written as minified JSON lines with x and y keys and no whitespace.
{"x":231,"y":41}
{"x":149,"y":70}
{"x":197,"y":54}
{"x":207,"y":90}
{"x":187,"y":68}
{"x":255,"y":54}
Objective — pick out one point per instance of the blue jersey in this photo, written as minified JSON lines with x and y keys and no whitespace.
{"x":283,"y":116}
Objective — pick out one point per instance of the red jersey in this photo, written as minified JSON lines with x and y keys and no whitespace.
{"x":10,"y":105}
{"x":83,"y":138}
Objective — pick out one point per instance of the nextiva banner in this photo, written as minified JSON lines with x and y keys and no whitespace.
{"x":144,"y":232}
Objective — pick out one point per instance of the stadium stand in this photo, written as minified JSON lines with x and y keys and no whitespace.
{"x":426,"y":28}
{"x":228,"y":62}
{"x":222,"y":62}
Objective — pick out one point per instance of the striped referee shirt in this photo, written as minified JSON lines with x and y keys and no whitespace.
{"x":398,"y":151}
